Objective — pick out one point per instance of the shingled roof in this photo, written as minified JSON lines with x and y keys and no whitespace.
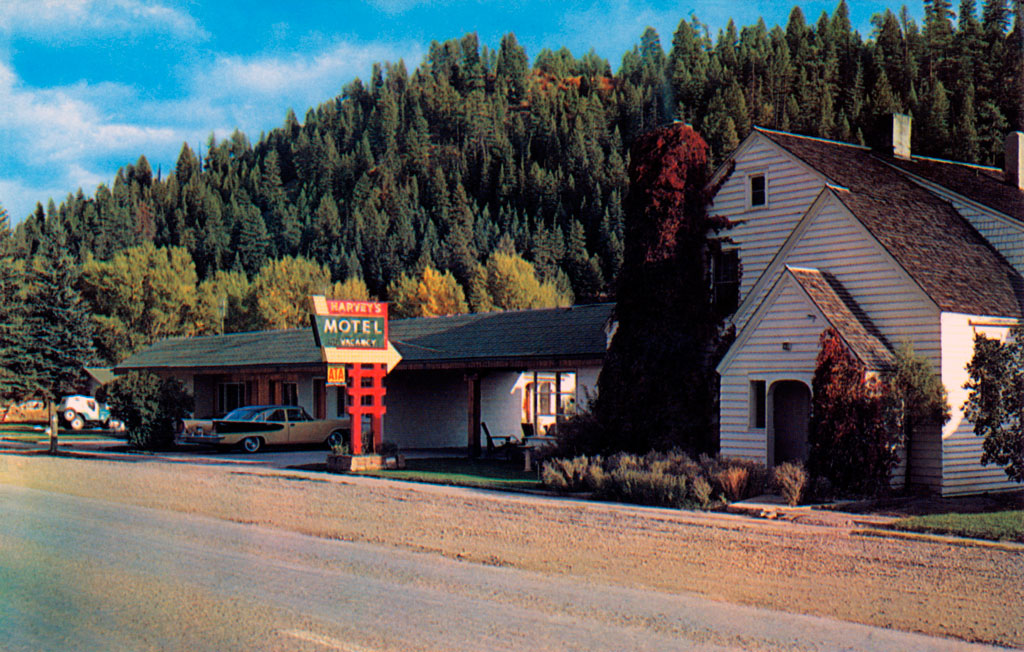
{"x":937,"y":247}
{"x":980,"y":184}
{"x":843,"y":313}
{"x":477,"y":340}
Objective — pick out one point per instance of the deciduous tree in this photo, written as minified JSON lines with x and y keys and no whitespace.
{"x":995,"y":402}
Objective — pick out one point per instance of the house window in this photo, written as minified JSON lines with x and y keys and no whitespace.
{"x":758,"y":191}
{"x":725,"y":281}
{"x":757,"y":403}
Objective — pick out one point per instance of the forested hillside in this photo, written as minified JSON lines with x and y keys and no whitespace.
{"x":476,"y":150}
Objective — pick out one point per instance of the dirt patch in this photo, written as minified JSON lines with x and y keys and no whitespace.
{"x":930,"y":587}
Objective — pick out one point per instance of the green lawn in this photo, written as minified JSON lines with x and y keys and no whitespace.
{"x":484,"y":474}
{"x":998,"y":526}
{"x":30,"y":433}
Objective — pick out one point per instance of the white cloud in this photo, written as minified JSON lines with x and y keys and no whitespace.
{"x":81,"y":19}
{"x":55,"y":140}
{"x":61,"y":125}
{"x":297,"y":74}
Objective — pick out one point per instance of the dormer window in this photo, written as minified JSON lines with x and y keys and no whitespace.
{"x":758,"y":191}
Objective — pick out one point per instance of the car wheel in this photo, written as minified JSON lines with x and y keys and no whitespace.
{"x":69,"y":415}
{"x":252,"y":444}
{"x":77,"y":423}
{"x":336,"y":438}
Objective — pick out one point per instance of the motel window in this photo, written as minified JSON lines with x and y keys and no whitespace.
{"x":757,"y":403}
{"x":758,"y":191}
{"x":289,"y":394}
{"x":230,"y":396}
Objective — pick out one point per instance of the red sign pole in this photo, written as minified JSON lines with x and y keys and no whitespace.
{"x":366,"y":392}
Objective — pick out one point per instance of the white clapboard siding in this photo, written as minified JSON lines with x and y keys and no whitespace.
{"x":834,"y":241}
{"x":962,"y":471}
{"x":783,"y":318}
{"x":759,"y":233}
{"x":1002,"y":232}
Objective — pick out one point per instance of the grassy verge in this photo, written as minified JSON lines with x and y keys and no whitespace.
{"x":30,"y":433}
{"x":997,"y":526}
{"x":483,"y":474}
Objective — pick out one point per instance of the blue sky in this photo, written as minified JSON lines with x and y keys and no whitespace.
{"x":86,"y":86}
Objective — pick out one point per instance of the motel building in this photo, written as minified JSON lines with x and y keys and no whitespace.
{"x":510,"y":373}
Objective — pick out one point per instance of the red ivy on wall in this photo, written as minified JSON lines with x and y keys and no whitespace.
{"x":854,"y":435}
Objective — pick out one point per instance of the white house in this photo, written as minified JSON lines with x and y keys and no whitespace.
{"x":884,"y":248}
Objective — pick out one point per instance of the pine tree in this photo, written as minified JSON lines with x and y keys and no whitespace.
{"x":59,"y":324}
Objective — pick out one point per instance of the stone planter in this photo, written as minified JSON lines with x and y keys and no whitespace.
{"x":355,"y":463}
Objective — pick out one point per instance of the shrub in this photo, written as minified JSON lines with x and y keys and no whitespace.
{"x":578,"y":474}
{"x":670,"y":479}
{"x":646,"y":487}
{"x":733,"y":482}
{"x":582,"y":434}
{"x":701,"y":492}
{"x":790,"y":478}
{"x":150,"y":407}
{"x":854,"y":431}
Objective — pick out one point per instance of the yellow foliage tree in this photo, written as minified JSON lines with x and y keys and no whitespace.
{"x":351,"y":289}
{"x":280,"y":292}
{"x":433,"y":294}
{"x":224,"y":303}
{"x":512,"y":284}
{"x":141,"y":295}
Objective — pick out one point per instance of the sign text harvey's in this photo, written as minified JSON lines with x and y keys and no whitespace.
{"x":350,"y":324}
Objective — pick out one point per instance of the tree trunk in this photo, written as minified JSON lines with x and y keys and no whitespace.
{"x":54,"y":423}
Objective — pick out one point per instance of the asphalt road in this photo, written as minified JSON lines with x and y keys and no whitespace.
{"x":85,"y":574}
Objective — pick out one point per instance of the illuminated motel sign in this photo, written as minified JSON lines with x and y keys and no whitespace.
{"x":352,"y":332}
{"x":353,"y":341}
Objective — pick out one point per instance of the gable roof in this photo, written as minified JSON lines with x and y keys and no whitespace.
{"x":843,"y":313}
{"x":983,"y":185}
{"x":834,"y":303}
{"x":938,"y":248}
{"x":478,"y":340}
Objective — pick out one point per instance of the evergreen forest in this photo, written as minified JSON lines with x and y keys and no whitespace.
{"x":495,"y":181}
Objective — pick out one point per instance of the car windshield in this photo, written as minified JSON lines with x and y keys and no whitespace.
{"x":243,"y":414}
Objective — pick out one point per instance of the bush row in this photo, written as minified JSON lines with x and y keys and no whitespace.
{"x":671,"y":479}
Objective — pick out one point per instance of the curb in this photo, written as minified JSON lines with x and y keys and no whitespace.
{"x":1005,"y":546}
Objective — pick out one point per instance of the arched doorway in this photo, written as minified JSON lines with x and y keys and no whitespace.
{"x":791,"y":417}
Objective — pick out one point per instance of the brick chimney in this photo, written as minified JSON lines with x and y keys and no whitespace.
{"x":901,"y":124}
{"x":1014,"y":165}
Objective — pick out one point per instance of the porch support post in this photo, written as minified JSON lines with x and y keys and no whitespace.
{"x":473,"y":421}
